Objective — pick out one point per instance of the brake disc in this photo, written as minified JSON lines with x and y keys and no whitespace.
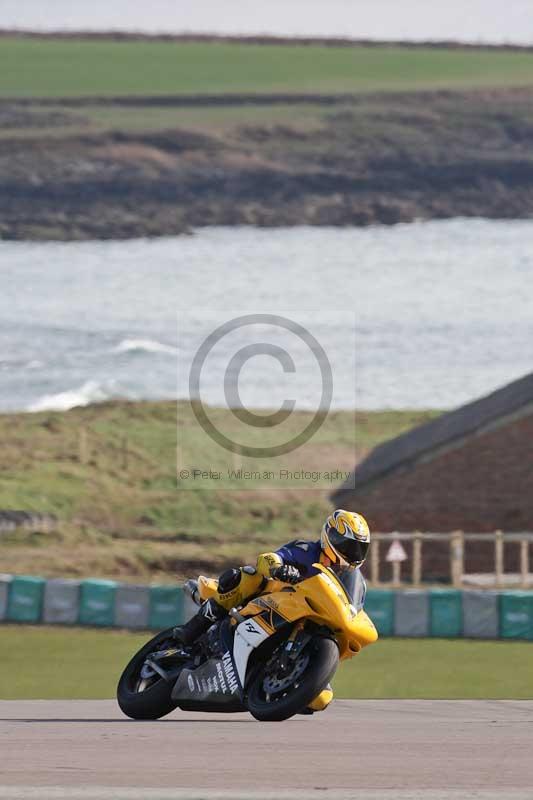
{"x":274,"y":682}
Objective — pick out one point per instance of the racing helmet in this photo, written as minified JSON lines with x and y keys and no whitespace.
{"x":345,"y":538}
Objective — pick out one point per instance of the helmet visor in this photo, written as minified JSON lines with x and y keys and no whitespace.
{"x":352,"y":550}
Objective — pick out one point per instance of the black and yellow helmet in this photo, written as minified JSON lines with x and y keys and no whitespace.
{"x":345,"y":538}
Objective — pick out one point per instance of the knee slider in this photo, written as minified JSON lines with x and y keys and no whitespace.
{"x":229,"y":580}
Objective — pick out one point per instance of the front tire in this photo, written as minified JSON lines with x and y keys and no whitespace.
{"x":152,"y":701}
{"x":267,"y":705}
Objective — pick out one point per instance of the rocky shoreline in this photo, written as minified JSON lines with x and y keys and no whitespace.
{"x":374,"y":159}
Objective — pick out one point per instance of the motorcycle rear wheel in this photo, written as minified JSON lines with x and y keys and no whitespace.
{"x":322,"y":661}
{"x":152,"y":701}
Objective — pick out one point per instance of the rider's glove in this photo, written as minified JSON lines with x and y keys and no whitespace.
{"x":286,"y":573}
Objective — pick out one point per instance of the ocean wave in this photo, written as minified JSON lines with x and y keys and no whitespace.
{"x":20,"y":363}
{"x":145,"y":346}
{"x":90,"y":392}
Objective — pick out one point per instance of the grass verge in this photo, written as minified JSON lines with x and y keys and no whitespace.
{"x":73,"y":663}
{"x":108,"y":473}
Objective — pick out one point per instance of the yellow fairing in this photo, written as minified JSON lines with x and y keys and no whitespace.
{"x":320,"y":599}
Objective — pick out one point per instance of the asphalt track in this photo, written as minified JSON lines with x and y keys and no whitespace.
{"x":395,"y":750}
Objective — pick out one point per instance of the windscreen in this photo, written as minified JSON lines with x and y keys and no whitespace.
{"x":353,"y":584}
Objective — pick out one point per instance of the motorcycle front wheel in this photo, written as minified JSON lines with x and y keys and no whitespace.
{"x":274,"y":695}
{"x":146,"y":698}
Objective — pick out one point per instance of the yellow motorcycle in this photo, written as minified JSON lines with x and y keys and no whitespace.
{"x":273,"y":656}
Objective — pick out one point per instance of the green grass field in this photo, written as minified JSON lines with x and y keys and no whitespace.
{"x":54,"y":68}
{"x":59,"y":663}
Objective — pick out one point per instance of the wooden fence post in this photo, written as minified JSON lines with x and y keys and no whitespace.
{"x":457,"y":558}
{"x":417,"y":559}
{"x":524,"y":563}
{"x":498,"y":557}
{"x":374,"y":562}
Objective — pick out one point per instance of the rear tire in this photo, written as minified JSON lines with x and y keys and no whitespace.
{"x":155,"y":701}
{"x":323,"y":661}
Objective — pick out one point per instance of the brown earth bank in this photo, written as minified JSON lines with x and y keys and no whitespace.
{"x":361,"y":160}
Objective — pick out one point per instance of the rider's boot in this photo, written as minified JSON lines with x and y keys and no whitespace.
{"x":209,"y":612}
{"x":320,"y":702}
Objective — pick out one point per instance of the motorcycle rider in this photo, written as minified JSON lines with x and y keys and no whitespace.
{"x":344,"y":542}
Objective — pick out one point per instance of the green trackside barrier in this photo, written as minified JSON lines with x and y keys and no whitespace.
{"x":516,"y":615}
{"x":97,"y":603}
{"x":23,"y":602}
{"x":25,"y":599}
{"x":379,"y":605}
{"x":445,"y":613}
{"x":166,"y":607}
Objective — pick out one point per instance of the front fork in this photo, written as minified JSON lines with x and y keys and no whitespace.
{"x":294,"y":645}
